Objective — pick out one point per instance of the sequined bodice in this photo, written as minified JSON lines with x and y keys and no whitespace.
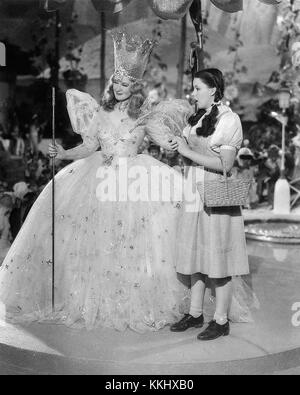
{"x":118,"y":137}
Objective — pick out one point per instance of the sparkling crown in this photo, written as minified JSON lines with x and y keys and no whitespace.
{"x":131,"y":55}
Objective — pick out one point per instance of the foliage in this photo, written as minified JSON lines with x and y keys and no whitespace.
{"x":157,"y":68}
{"x":289,"y":26}
{"x":44,"y":54}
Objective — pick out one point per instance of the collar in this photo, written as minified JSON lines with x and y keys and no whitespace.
{"x":221,"y":107}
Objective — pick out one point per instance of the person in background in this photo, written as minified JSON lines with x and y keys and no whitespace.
{"x":16,"y":217}
{"x":273,"y":170}
{"x":154,"y":151}
{"x":290,"y":162}
{"x":260,"y":158}
{"x":180,"y":165}
{"x":2,"y":146}
{"x":170,"y":158}
{"x":17,"y":144}
{"x":244,"y":169}
{"x":32,"y":138}
{"x":6,"y":205}
{"x":2,"y":168}
{"x":4,"y":154}
{"x":42,"y":165}
{"x":3,"y":141}
{"x":296,"y":172}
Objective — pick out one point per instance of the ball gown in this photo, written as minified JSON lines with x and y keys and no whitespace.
{"x":114,"y":259}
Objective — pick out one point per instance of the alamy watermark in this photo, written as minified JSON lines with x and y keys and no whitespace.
{"x":127,"y":182}
{"x":296,"y":315}
{"x":2,"y":54}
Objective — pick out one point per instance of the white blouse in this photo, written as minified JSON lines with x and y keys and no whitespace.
{"x":228,"y":133}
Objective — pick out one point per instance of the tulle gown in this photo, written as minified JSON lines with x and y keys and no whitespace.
{"x":115,"y":264}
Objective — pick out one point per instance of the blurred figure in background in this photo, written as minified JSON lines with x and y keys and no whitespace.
{"x":244,"y":168}
{"x":273,"y":169}
{"x":260,"y":157}
{"x":16,"y":144}
{"x":296,"y":143}
{"x":180,"y":165}
{"x":154,"y":151}
{"x":170,"y":158}
{"x":4,"y":155}
{"x":6,"y":205}
{"x":19,"y":191}
{"x":32,"y":138}
{"x":2,"y":141}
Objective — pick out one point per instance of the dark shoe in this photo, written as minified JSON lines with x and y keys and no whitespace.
{"x":214,"y":330}
{"x":188,"y":321}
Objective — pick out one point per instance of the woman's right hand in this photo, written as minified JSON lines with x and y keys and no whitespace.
{"x":57,"y":151}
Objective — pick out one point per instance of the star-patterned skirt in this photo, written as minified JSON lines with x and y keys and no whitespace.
{"x":114,"y":260}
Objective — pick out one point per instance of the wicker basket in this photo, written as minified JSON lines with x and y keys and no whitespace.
{"x":224,"y":192}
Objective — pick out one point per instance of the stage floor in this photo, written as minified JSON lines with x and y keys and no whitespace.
{"x":270,"y":345}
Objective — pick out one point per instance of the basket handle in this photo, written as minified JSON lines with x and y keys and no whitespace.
{"x":224,"y":168}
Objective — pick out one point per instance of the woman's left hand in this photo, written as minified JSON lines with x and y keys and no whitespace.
{"x":183,"y":148}
{"x":172,"y":144}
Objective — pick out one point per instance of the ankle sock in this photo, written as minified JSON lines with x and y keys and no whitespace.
{"x":195,"y":312}
{"x":221,"y":319}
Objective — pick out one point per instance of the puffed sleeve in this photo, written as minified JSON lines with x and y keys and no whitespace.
{"x":187,"y":131}
{"x":91,"y":137}
{"x":228,"y":133}
{"x":166,"y":120}
{"x":85,"y":117}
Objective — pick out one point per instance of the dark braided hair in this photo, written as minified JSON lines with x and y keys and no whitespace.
{"x":213,"y":78}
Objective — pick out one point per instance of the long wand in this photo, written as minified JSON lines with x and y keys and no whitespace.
{"x":53,"y":201}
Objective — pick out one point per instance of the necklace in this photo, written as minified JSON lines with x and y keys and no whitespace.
{"x":123,"y":106}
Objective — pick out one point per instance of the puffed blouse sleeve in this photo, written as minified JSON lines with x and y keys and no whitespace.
{"x":186,"y":132}
{"x":228,"y":133}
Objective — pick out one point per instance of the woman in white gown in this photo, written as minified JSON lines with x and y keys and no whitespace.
{"x":114,"y":253}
